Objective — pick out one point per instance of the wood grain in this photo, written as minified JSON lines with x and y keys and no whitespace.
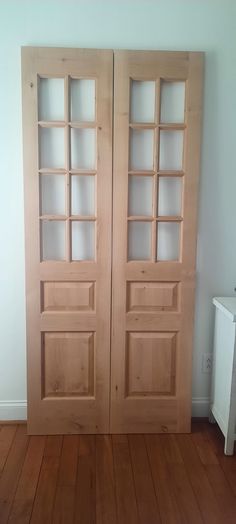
{"x":163,"y":482}
{"x":7,"y":435}
{"x":125,"y":492}
{"x":85,"y":502}
{"x":221,"y":472}
{"x":66,"y":311}
{"x":202,"y":488}
{"x":145,"y":493}
{"x":24,"y":498}
{"x":47,"y":483}
{"x":141,"y":479}
{"x":154,"y":308}
{"x":65,"y":494}
{"x":185,"y":497}
{"x":105,"y":481}
{"x":11,"y":472}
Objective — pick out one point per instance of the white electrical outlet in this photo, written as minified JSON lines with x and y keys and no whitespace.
{"x":206,"y":362}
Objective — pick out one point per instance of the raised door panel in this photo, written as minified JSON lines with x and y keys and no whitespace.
{"x":68,"y":363}
{"x":152,"y":296}
{"x":150,"y":364}
{"x":68,"y":296}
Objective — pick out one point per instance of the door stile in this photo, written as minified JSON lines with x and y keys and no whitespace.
{"x":194,"y":96}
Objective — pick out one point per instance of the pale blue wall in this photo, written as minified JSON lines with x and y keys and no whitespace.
{"x":204,"y":25}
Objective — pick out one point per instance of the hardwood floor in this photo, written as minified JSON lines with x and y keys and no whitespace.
{"x":123,"y":479}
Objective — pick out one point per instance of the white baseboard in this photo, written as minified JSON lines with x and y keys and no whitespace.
{"x":200,"y":407}
{"x":13,"y":410}
{"x":17,"y":409}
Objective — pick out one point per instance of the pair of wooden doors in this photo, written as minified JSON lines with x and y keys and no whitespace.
{"x":111,"y":166}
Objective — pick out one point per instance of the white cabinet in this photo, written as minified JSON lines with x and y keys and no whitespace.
{"x":223,"y":392}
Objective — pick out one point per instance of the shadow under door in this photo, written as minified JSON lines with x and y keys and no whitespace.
{"x":109,"y":338}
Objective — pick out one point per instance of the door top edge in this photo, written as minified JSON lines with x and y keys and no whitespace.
{"x":54,"y":51}
{"x":116,"y":51}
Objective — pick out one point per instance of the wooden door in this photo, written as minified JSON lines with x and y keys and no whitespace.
{"x":67,"y":126}
{"x":157,"y":114}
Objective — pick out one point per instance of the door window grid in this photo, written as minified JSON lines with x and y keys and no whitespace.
{"x":157,"y":126}
{"x":67,"y":171}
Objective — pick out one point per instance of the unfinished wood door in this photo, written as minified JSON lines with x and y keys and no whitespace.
{"x":67,"y":125}
{"x":157,"y":113}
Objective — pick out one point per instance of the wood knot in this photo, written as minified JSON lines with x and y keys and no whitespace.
{"x":164,"y":429}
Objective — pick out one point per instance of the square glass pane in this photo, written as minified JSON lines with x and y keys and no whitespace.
{"x":82,"y":100}
{"x":141,"y":149}
{"x":83,"y":240}
{"x":51,"y":99}
{"x":170,"y":196}
{"x":142,"y":101}
{"x":140,"y":195}
{"x":53,"y":240}
{"x":172,"y":102}
{"x":171,"y":150}
{"x":168,"y":240}
{"x":51,"y":147}
{"x":52,"y":194}
{"x":83,"y":195}
{"x":83,"y":148}
{"x":139,"y":240}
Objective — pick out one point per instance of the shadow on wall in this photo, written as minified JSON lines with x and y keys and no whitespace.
{"x":213,"y":277}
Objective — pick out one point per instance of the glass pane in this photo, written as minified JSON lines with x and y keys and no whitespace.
{"x":142,"y":101}
{"x":170,"y":196}
{"x":172,"y":102}
{"x":140,"y":195}
{"x":82,"y":99}
{"x":52,"y":194}
{"x":82,"y":195}
{"x":83,"y":148}
{"x":51,"y":99}
{"x":140,"y":235}
{"x":141,"y":149}
{"x":171,"y":150}
{"x":53,"y":240}
{"x":83,"y":240}
{"x":168,"y":238}
{"x":51,"y":147}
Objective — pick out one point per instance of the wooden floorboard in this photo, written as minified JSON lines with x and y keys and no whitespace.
{"x":64,"y":505}
{"x":202,"y":488}
{"x":119,"y":479}
{"x":222,"y":475}
{"x":85,"y":498}
{"x":25,"y":494}
{"x":7,"y":435}
{"x":145,"y":494}
{"x":184,"y":494}
{"x":46,"y":490}
{"x":11,"y":472}
{"x":105,"y":481}
{"x":127,"y":511}
{"x":163,"y":482}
